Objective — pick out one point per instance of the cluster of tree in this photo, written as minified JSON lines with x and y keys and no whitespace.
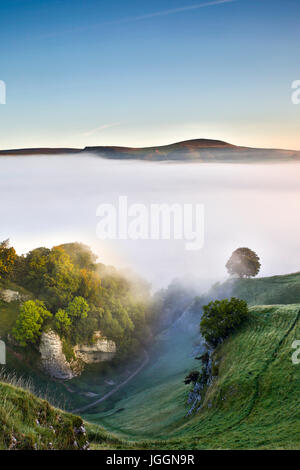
{"x":79,"y":296}
{"x":221,"y":318}
{"x":34,"y":316}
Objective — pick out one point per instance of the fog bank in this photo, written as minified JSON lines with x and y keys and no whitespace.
{"x":52,"y":200}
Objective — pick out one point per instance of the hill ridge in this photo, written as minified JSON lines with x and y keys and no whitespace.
{"x":198,"y":150}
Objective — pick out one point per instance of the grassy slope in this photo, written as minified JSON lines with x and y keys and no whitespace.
{"x":269,"y":290}
{"x":254,"y":402}
{"x":28,"y":422}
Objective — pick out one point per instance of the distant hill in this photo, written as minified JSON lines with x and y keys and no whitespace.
{"x":39,"y":151}
{"x":198,"y":150}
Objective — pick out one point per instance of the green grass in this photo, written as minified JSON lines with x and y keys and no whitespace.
{"x":269,"y":290}
{"x":28,"y":422}
{"x":254,"y":402}
{"x":8,"y":316}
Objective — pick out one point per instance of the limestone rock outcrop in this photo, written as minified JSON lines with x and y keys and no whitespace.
{"x":10,"y":295}
{"x":53,"y":359}
{"x":102,"y":349}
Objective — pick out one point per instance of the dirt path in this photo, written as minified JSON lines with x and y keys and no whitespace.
{"x":118,"y":387}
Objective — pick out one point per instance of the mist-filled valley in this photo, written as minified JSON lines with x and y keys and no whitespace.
{"x":149,"y":331}
{"x":51,"y":200}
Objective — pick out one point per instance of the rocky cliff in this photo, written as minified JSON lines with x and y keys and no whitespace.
{"x":100,"y":350}
{"x":54,"y":360}
{"x":10,"y":295}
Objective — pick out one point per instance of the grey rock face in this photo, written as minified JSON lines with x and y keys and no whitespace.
{"x":101,"y":350}
{"x":53,"y":359}
{"x":10,"y":295}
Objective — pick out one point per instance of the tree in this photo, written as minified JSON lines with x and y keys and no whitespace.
{"x":62,"y":321}
{"x":80,"y":255}
{"x":7,"y":258}
{"x":244,"y":263}
{"x":78,"y":308}
{"x":29,"y":324}
{"x":222,"y":317}
{"x":50,"y":275}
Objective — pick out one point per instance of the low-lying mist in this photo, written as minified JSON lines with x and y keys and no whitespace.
{"x":52,"y":200}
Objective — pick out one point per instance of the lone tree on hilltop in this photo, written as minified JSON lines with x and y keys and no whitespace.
{"x":243,"y":263}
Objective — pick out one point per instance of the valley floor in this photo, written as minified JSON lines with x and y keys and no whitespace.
{"x":254,"y":403}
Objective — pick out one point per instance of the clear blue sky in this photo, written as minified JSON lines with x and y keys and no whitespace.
{"x":129,"y":72}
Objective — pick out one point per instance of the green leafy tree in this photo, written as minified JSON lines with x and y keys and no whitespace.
{"x":30,"y":322}
{"x":7,"y":258}
{"x":92,"y":296}
{"x":62,"y":321}
{"x":50,"y":275}
{"x":222,"y":317}
{"x":78,"y":308}
{"x":90,"y":286}
{"x":243,"y":263}
{"x":80,"y":255}
{"x":61,"y":280}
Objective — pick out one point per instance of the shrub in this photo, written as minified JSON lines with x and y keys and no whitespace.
{"x":62,"y":321}
{"x":222,"y":317}
{"x":30,"y":321}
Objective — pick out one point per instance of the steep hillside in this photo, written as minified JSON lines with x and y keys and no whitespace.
{"x":253,"y":403}
{"x":27,"y":422}
{"x":261,"y":291}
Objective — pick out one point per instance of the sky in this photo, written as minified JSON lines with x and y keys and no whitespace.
{"x":114,"y":72}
